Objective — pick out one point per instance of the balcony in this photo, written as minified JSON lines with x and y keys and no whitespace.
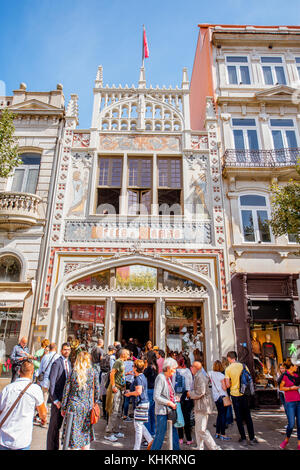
{"x":18,"y":210}
{"x":285,"y":157}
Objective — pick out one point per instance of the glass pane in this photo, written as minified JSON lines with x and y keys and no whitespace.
{"x":136,"y":276}
{"x":271,"y":60}
{"x":245,"y":76}
{"x":133,"y":172}
{"x":298,"y":68}
{"x":30,"y":159}
{"x":239,"y":139}
{"x":146,"y":174}
{"x":163,"y":172}
{"x":103,"y":174}
{"x":292,"y":238}
{"x":253,"y":200}
{"x":232,"y":75}
{"x":98,"y":279}
{"x":243,"y":122}
{"x":282,"y":122}
{"x":145,"y":203}
{"x":248,"y":228}
{"x":263,"y":226}
{"x":291,"y":139}
{"x":116,"y":172}
{"x":236,"y":59}
{"x":277,"y":139}
{"x":175,"y":174}
{"x":252,"y":139}
{"x":174,"y":280}
{"x":18,"y":180}
{"x":32,"y":180}
{"x":267,"y":71}
{"x":280,"y":75}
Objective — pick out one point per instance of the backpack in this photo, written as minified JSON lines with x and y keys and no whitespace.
{"x":105,"y":363}
{"x":179,"y":383}
{"x":246,"y":382}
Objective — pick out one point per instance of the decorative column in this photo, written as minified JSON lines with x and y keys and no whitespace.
{"x":110,"y":320}
{"x":160,"y":323}
{"x":123,"y":201}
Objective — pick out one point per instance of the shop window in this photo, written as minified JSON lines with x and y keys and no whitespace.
{"x":254,"y":219}
{"x":10,"y":326}
{"x":136,"y":276}
{"x":185,"y":330}
{"x":25,"y":176}
{"x":10,"y":269}
{"x":278,"y":310}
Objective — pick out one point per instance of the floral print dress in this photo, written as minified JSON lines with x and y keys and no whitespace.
{"x":80,"y":402}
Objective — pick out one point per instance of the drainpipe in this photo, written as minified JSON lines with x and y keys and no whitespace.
{"x":44,"y":250}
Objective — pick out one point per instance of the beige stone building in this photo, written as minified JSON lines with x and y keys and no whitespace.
{"x":253,"y":73}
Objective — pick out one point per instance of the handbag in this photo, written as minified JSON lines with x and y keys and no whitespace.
{"x":41,"y":376}
{"x":171,"y":415}
{"x":95,"y":412}
{"x":180,"y":419}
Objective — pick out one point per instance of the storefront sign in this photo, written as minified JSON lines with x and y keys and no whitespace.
{"x":88,"y":313}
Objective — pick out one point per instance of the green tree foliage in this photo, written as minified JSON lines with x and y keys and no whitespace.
{"x":9,"y":157}
{"x":285,"y":217}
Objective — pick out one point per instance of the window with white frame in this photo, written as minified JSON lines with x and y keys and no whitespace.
{"x":273,"y":70}
{"x":254,"y":214}
{"x":238,"y":70}
{"x":284,"y":139}
{"x":245,"y":138}
{"x":25,"y":177}
{"x":297,"y":59}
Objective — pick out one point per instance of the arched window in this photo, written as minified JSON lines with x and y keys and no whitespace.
{"x":25,"y":177}
{"x":10,"y":269}
{"x":254,"y":218}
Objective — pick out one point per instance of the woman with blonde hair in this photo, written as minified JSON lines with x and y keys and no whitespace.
{"x":81,"y":390}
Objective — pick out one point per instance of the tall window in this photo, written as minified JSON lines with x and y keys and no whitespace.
{"x":109,"y":185}
{"x":169,"y":186}
{"x":25,"y":177}
{"x":273,"y":70}
{"x":245,"y":138}
{"x":139,"y":185}
{"x":254,"y":218}
{"x":238,"y":70}
{"x":284,"y":139}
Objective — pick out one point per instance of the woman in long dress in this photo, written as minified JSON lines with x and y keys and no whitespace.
{"x":78,"y":398}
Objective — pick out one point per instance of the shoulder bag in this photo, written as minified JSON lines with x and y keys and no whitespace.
{"x":41,"y":376}
{"x":95,"y":413}
{"x":14,"y":404}
{"x":226,"y":399}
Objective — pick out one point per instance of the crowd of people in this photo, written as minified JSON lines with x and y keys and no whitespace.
{"x":156,"y":390}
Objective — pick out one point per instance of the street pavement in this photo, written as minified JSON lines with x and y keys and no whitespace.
{"x":269,"y":428}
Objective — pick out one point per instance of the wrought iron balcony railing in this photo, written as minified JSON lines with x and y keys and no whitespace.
{"x":261,"y":158}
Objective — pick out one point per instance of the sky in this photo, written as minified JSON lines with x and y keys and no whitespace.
{"x":46,"y":42}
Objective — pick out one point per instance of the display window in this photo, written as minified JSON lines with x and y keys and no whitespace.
{"x":185,"y":330}
{"x":10,"y":326}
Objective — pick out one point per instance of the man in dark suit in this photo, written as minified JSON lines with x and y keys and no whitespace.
{"x":60,"y":371}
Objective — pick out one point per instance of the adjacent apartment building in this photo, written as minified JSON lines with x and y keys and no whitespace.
{"x":252,"y":74}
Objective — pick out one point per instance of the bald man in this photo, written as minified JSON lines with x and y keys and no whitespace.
{"x":202,"y":408}
{"x":19,"y":354}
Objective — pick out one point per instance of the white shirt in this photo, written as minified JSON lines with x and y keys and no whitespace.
{"x":16,"y":432}
{"x":216,"y":382}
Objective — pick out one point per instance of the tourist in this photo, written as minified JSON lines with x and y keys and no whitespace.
{"x":148,"y":348}
{"x":60,"y":372}
{"x":38,"y":355}
{"x":280,"y":373}
{"x":16,"y":428}
{"x":80,"y":386}
{"x":165,"y":401}
{"x":118,"y":347}
{"x":202,"y":408}
{"x":239,"y":401}
{"x":290,"y":385}
{"x":114,"y":397}
{"x":217,"y":378}
{"x":142,"y":405}
{"x":160,"y":356}
{"x":45,"y":369}
{"x":106,"y":363}
{"x":19,"y":353}
{"x":96,"y":354}
{"x":151,"y":372}
{"x":129,"y":377}
{"x":186,"y":382}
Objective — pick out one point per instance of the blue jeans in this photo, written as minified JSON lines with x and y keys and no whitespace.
{"x":7,"y":448}
{"x":229,"y":415}
{"x":293,"y":411}
{"x":221,"y":418}
{"x":161,"y":429}
{"x":151,"y":421}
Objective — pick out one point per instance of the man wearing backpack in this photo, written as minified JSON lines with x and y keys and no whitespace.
{"x":106,"y":363}
{"x":240,"y":404}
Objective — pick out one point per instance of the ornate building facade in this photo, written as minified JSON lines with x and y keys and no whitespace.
{"x":136,"y":246}
{"x":253,"y":74}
